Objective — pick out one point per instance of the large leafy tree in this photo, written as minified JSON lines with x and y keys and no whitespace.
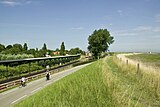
{"x":32,"y":51}
{"x":8,"y":47}
{"x":62,"y":49}
{"x":74,"y":51}
{"x":8,"y":50}
{"x":99,"y":42}
{"x":16,"y":49}
{"x":2,"y":47}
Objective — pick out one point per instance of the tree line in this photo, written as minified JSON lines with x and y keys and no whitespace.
{"x":23,"y":50}
{"x":99,"y":42}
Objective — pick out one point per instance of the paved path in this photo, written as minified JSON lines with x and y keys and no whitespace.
{"x":8,"y":98}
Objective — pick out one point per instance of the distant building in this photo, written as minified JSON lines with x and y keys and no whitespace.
{"x":56,"y":53}
{"x":88,"y":55}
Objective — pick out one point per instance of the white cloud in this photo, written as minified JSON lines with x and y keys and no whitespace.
{"x":157,"y":18}
{"x":13,"y":3}
{"x":28,"y":2}
{"x":77,"y":28}
{"x":147,"y":29}
{"x":121,"y":31}
{"x":120,"y":12}
{"x":140,"y":30}
{"x":156,"y":37}
{"x":156,"y":29}
{"x":143,"y":28}
{"x":125,"y":33}
{"x":10,"y":3}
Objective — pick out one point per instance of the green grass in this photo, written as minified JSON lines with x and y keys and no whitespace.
{"x":131,"y":91}
{"x":105,"y":83}
{"x":83,"y":62}
{"x":84,"y":88}
{"x":149,"y":59}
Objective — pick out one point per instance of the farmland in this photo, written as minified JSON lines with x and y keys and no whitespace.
{"x":106,"y":82}
{"x":148,"y":59}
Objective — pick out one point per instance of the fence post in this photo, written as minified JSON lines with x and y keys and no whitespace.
{"x":138,"y":71}
{"x":120,"y":59}
{"x":127,"y":61}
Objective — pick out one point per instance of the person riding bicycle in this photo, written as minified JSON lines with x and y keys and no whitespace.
{"x":23,"y":81}
{"x":48,"y":75}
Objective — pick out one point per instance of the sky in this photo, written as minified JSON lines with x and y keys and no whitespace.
{"x":134,"y":24}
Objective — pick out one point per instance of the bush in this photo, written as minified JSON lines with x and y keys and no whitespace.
{"x":2,"y":71}
{"x":13,"y":57}
{"x":10,"y":57}
{"x":1,"y":56}
{"x":4,"y":57}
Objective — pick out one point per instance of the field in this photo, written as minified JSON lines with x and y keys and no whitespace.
{"x":105,"y":83}
{"x":148,"y":59}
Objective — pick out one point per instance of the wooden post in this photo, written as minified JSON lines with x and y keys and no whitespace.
{"x":138,"y":71}
{"x":127,"y":61}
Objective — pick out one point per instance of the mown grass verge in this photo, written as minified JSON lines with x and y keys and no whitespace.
{"x":104,"y":83}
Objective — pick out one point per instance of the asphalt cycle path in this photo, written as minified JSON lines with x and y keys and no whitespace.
{"x":10,"y":97}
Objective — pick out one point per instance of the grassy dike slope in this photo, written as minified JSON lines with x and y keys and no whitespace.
{"x":105,"y":83}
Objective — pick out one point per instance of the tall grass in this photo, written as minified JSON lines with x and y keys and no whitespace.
{"x":145,"y":91}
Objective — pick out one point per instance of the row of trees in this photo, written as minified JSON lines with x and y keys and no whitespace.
{"x":11,"y":51}
{"x":18,"y":49}
{"x":72,"y":51}
{"x":99,"y":42}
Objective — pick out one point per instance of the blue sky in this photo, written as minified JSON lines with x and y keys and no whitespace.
{"x":135,"y":24}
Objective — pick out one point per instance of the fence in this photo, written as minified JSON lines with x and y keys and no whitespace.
{"x":139,"y":66}
{"x":129,"y":61}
